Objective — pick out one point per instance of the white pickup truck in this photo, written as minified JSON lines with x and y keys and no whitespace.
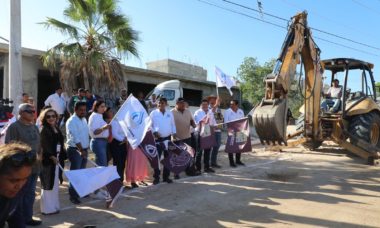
{"x":172,"y":90}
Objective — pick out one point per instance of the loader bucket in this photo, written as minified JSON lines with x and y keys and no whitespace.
{"x":269,"y":119}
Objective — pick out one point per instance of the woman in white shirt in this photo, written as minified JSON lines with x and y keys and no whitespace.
{"x":99,"y":133}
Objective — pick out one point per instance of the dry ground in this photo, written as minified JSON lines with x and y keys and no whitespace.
{"x":295,"y":187}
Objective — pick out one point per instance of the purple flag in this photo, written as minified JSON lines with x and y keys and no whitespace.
{"x":180,"y":156}
{"x":148,"y":147}
{"x":238,"y":140}
{"x":114,"y":188}
{"x":206,"y":135}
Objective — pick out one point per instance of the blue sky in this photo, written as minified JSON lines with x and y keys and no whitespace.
{"x":196,"y":33}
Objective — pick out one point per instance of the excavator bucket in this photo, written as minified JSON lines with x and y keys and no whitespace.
{"x":269,"y":119}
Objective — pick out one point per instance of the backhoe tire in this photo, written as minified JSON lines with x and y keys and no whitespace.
{"x":366,"y":127}
{"x":310,"y":145}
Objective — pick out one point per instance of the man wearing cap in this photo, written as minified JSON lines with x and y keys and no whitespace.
{"x":183,"y":122}
{"x":163,"y":127}
{"x":58,"y":103}
{"x":24,"y":130}
{"x":76,"y":98}
{"x":214,"y":103}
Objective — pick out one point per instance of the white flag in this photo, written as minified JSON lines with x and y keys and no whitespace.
{"x":134,"y":121}
{"x":86,"y":181}
{"x":224,"y":80}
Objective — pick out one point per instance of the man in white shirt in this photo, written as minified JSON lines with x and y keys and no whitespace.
{"x":163,"y":127}
{"x":58,"y":103}
{"x":199,"y":115}
{"x":231,"y":114}
{"x":78,"y":141}
{"x":332,"y":99}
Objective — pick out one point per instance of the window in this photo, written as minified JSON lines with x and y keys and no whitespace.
{"x":169,"y":94}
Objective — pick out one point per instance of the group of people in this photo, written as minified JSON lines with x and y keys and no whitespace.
{"x":92,"y":129}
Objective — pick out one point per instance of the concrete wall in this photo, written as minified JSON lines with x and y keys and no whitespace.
{"x":178,"y":68}
{"x":30,"y":67}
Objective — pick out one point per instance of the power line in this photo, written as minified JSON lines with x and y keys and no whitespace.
{"x":345,"y":46}
{"x":366,"y":7}
{"x":249,"y":8}
{"x":319,"y":30}
{"x":292,"y":4}
{"x":284,"y":27}
{"x":243,"y":14}
{"x":2,"y":38}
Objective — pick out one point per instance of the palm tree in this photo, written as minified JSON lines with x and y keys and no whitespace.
{"x":98,"y":37}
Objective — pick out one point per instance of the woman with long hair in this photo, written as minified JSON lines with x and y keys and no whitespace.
{"x":99,"y":133}
{"x":52,"y":153}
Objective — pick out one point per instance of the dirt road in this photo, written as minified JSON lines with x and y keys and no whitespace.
{"x":293,"y":188}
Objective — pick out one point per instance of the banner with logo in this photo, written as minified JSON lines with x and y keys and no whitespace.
{"x":134,"y":121}
{"x":238,"y":138}
{"x":206,"y":134}
{"x":180,"y":156}
{"x":148,"y":147}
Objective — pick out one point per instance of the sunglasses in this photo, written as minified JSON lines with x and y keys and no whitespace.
{"x":30,"y":111}
{"x":22,"y":158}
{"x":50,"y":116}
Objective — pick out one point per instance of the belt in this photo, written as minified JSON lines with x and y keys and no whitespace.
{"x":100,"y":138}
{"x":163,"y":139}
{"x":74,"y":147}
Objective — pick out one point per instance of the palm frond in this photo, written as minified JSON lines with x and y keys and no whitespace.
{"x":106,"y":6}
{"x":64,"y":28}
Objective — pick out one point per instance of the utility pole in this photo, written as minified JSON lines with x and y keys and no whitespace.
{"x":15,"y":54}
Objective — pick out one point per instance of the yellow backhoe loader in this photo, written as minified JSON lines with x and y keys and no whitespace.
{"x":355,"y":125}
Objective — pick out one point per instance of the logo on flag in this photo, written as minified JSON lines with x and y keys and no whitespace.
{"x":148,"y":147}
{"x":238,"y":140}
{"x":180,"y":156}
{"x":134,"y":121}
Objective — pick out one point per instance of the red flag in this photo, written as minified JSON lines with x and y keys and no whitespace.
{"x":238,"y":140}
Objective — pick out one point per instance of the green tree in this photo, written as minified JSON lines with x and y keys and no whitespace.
{"x":252,"y":74}
{"x":377,"y":86}
{"x":98,"y":36}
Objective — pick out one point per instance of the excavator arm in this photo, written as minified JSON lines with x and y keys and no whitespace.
{"x":269,"y":117}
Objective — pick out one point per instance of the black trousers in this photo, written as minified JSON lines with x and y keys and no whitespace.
{"x":161,"y":150}
{"x":199,"y":152}
{"x":231,"y":158}
{"x":119,"y":156}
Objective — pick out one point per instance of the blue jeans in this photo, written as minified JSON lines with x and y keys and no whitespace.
{"x":215,"y":149}
{"x":99,"y":147}
{"x":334,"y":103}
{"x":27,"y":201}
{"x":77,"y":162}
